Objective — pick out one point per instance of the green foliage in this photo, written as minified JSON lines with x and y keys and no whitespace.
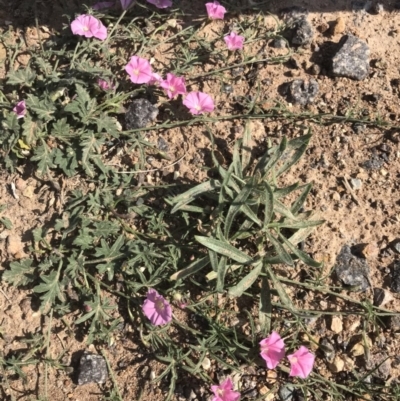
{"x":248,"y":226}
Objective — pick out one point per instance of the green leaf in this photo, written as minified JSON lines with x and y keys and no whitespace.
{"x":84,"y":240}
{"x":268,"y":201}
{"x":221,"y":272}
{"x":44,"y":108}
{"x":31,"y":129}
{"x":236,"y":205}
{"x":247,"y":281}
{"x":265,"y":307}
{"x":193,"y":268}
{"x":297,"y":224}
{"x":282,"y":192}
{"x":280,"y":250}
{"x":61,"y":129}
{"x":299,"y":253}
{"x":91,"y":146}
{"x":224,"y":248}
{"x":20,"y":273}
{"x":6,"y":222}
{"x":277,"y":285}
{"x":192,"y":193}
{"x":66,"y":160}
{"x":44,"y":155}
{"x":300,"y":146}
{"x":270,"y":158}
{"x":50,"y":288}
{"x":298,"y":204}
{"x":83,"y":105}
{"x":21,"y":77}
{"x":246,"y":147}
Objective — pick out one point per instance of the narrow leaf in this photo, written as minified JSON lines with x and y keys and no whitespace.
{"x":223,"y":248}
{"x":280,"y":250}
{"x":265,"y":307}
{"x":247,"y":281}
{"x":193,"y":268}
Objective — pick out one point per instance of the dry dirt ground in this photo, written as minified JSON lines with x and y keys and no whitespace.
{"x":366,"y":215}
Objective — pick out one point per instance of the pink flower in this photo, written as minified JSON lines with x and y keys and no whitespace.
{"x":88,"y":26}
{"x":155,"y":79}
{"x":198,"y":102}
{"x":301,"y":362}
{"x":272,"y":350}
{"x":215,"y":10}
{"x":125,"y":4}
{"x":20,"y":109}
{"x":101,"y":5}
{"x":161,"y":3}
{"x":156,"y":308}
{"x":139,"y":70}
{"x":173,"y":86}
{"x":105,"y":85}
{"x":234,"y":41}
{"x":224,"y":391}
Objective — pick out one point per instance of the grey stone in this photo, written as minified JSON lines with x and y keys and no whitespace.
{"x":315,"y":69}
{"x":352,"y":59}
{"x":287,"y":392}
{"x":375,"y":163}
{"x":291,"y":14}
{"x":226,"y":88}
{"x":140,"y":113}
{"x":358,"y":128}
{"x":380,"y":366}
{"x":279,"y":43}
{"x":162,"y":144}
{"x":302,"y":32}
{"x":356,"y":183}
{"x":396,"y":246}
{"x":92,"y":369}
{"x":395,"y":284}
{"x":302,"y":92}
{"x":352,"y":270}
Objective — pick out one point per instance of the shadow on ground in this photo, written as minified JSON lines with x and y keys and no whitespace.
{"x":55,"y":13}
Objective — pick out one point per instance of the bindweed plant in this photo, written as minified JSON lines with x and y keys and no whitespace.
{"x":247,"y":227}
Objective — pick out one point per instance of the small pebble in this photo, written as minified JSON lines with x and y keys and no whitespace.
{"x":356,"y":183}
{"x":279,"y":43}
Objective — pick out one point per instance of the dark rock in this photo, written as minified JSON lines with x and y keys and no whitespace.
{"x":237,"y":71}
{"x":375,"y":163}
{"x":379,"y":364}
{"x":396,"y":245}
{"x":395,"y":285}
{"x":302,"y":32}
{"x":227,"y":88}
{"x":92,"y":369}
{"x":352,"y":59}
{"x":358,"y":128}
{"x":360,"y":5}
{"x":302,"y":92}
{"x":326,"y":346}
{"x":352,"y":270}
{"x":394,"y":322}
{"x":162,"y":144}
{"x":279,"y":43}
{"x":287,"y":392}
{"x":140,"y":112}
{"x":291,"y":14}
{"x":315,"y":69}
